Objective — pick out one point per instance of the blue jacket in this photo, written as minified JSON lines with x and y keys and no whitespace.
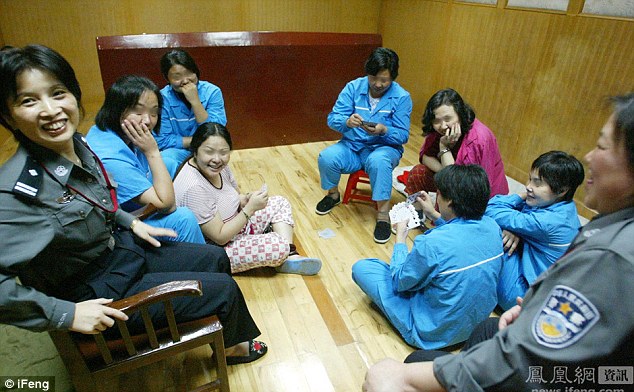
{"x":178,"y":120}
{"x":128,"y":166}
{"x":546,"y":232}
{"x":450,"y":277}
{"x":393,"y":111}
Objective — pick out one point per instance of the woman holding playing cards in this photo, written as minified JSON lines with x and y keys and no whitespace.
{"x":437,"y":293}
{"x":256,"y":230}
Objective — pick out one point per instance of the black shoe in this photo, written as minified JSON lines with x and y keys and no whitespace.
{"x":382,"y":232}
{"x":326,"y":204}
{"x":257,"y":350}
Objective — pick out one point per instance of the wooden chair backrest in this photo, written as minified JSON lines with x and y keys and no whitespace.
{"x":100,"y":356}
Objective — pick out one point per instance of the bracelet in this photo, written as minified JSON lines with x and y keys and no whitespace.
{"x":246,"y":215}
{"x":134,"y":222}
{"x":442,"y":152}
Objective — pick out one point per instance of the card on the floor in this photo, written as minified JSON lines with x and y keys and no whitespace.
{"x":402,"y":211}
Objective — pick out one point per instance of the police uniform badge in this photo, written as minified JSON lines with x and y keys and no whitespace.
{"x":61,"y":170}
{"x":65,"y":198}
{"x":564,"y":318}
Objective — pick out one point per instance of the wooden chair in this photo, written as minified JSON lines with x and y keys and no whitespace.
{"x":92,"y":359}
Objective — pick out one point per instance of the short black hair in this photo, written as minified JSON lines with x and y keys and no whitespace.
{"x":449,"y":97}
{"x":205,"y":131}
{"x":14,"y":61}
{"x":124,"y":94}
{"x":561,"y":171}
{"x":624,"y":124}
{"x":178,"y":57}
{"x":467,"y":186}
{"x":380,"y":59}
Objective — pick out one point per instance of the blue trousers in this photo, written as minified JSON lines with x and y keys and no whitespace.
{"x":512,"y":283}
{"x":378,"y":163}
{"x":182,"y":221}
{"x":373,"y":276}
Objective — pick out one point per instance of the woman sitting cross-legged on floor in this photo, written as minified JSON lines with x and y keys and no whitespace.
{"x":437,"y":293}
{"x":256,"y":231}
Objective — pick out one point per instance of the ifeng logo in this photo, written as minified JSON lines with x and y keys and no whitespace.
{"x":565,"y":317}
{"x":28,"y":383}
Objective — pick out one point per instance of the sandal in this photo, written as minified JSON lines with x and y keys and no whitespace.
{"x":257,"y":350}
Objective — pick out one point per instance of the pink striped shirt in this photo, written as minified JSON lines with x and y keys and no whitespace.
{"x":195,"y":192}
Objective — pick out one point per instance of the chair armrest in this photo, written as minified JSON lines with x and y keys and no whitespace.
{"x":159,"y":293}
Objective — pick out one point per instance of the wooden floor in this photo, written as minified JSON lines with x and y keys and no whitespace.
{"x":322,"y":333}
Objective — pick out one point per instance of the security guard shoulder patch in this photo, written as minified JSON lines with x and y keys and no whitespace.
{"x":564,"y":318}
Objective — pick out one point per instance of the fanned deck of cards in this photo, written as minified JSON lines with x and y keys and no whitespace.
{"x":402,"y":211}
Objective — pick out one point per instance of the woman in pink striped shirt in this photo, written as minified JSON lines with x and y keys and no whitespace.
{"x":256,"y":230}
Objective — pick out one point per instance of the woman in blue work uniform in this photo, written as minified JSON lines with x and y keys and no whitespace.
{"x":435,"y":294}
{"x":122,"y":139}
{"x":373,"y":115}
{"x":188,"y":102}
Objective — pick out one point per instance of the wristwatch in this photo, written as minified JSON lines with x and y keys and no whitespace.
{"x":442,"y":152}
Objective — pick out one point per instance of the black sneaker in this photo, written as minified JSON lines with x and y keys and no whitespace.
{"x":326,"y":204}
{"x":382,"y":232}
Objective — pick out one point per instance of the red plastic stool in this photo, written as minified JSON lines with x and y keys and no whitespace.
{"x":352,"y":193}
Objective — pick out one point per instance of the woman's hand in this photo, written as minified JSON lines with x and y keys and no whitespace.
{"x":93,"y":316}
{"x":401,"y":231}
{"x":377,"y":130}
{"x":244,"y":199}
{"x":140,"y":135}
{"x":510,"y":241}
{"x":510,"y":315}
{"x":147,"y":232}
{"x":354,"y":121}
{"x":257,"y":201}
{"x":449,"y":139}
{"x":190,"y":91}
{"x":388,"y":375}
{"x":427,"y":204}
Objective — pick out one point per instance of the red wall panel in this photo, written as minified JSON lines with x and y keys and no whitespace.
{"x":278,"y":87}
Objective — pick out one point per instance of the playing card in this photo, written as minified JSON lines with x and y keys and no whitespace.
{"x":402,"y":211}
{"x":411,"y":199}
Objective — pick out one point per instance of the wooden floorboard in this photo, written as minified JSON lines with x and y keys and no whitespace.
{"x":328,"y":311}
